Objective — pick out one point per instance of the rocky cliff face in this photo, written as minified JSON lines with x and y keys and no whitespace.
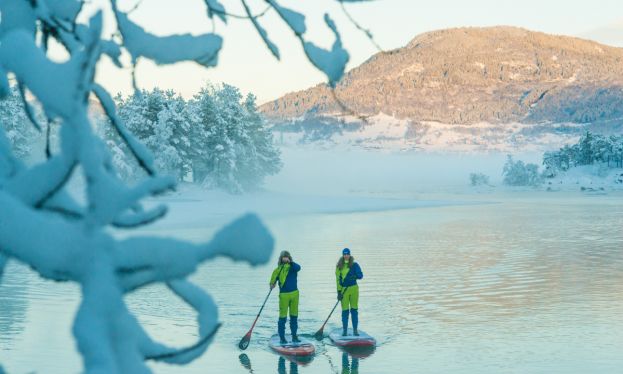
{"x":471,"y":75}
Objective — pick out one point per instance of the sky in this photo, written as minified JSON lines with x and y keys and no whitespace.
{"x":246,"y":63}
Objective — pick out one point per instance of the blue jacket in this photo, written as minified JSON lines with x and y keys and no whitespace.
{"x":286,"y":274}
{"x":346,"y":277}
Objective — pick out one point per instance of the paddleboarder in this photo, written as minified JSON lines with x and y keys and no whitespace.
{"x":347,"y":272}
{"x":286,"y":275}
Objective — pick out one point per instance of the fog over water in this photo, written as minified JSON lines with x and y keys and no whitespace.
{"x":308,"y":170}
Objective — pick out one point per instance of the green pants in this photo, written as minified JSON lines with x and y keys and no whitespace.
{"x":350,"y":298}
{"x":289,"y":300}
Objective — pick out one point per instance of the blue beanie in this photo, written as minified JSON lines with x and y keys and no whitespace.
{"x":345,"y":251}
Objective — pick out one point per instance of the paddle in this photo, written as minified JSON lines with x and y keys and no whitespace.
{"x":320,"y":334}
{"x":244,"y":342}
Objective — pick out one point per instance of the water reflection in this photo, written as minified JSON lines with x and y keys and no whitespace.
{"x":519,"y":286}
{"x":358,"y":352}
{"x":246,"y":362}
{"x":281,"y":366}
{"x":349,"y":367}
{"x":13,"y":302}
{"x":351,"y":357}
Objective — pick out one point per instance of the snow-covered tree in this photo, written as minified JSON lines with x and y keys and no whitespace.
{"x":217,"y":137}
{"x":159,"y":120}
{"x":19,"y":131}
{"x":517,"y":173}
{"x":590,"y":148}
{"x":234,"y":148}
{"x":264,"y":158}
{"x":63,"y":239}
{"x":478,"y":179}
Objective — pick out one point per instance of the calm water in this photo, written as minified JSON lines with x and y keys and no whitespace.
{"x":524,"y":285}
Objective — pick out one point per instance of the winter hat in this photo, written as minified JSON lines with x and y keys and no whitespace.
{"x":345,"y":251}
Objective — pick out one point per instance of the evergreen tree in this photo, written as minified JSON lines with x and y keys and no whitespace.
{"x":517,"y":173}
{"x":216,"y":137}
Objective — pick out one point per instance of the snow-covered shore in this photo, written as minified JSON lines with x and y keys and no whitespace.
{"x":587,"y":178}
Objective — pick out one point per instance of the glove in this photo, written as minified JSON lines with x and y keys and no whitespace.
{"x":339,"y":296}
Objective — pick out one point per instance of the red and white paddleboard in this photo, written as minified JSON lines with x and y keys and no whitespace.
{"x":350,"y":340}
{"x":304,"y":348}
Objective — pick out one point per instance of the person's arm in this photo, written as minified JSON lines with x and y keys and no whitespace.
{"x":337,"y":280}
{"x":295,"y":267}
{"x":358,"y":272}
{"x":273,"y":277}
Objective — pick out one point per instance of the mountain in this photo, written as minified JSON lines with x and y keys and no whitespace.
{"x":462,"y":76}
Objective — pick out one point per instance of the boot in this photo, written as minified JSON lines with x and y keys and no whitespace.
{"x":281,"y":330}
{"x":344,"y":322}
{"x":355,"y":317}
{"x":294,"y":326}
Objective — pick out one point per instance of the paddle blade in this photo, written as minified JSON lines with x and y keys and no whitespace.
{"x":244,"y":342}
{"x":319,"y":335}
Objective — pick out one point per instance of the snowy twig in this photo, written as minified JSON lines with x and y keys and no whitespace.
{"x":260,"y":30}
{"x":238,"y":16}
{"x":131,"y":220}
{"x":48,"y":131}
{"x":367,"y":32}
{"x":35,"y":185}
{"x":183,"y":351}
{"x":28,"y":108}
{"x":138,"y":150}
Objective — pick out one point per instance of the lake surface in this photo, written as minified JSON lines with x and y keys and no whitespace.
{"x":521,"y":284}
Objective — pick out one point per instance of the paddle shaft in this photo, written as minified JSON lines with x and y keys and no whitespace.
{"x":260,"y":312}
{"x":332,"y":310}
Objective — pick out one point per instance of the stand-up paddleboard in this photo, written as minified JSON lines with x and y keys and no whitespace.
{"x":304,"y":348}
{"x":350,"y":340}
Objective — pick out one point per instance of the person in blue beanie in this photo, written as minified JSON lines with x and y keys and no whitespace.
{"x":347,"y":272}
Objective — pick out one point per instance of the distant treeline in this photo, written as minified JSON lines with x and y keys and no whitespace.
{"x":590,"y":149}
{"x":217,"y":138}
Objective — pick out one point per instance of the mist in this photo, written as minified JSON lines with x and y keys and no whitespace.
{"x":337,"y":172}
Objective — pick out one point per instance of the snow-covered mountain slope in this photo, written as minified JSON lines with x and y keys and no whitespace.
{"x":384,"y":132}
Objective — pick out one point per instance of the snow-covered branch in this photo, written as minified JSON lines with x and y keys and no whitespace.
{"x":67,"y":239}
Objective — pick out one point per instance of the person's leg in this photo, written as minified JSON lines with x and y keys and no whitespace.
{"x":354,"y":308}
{"x":345,"y":307}
{"x":294,"y":314}
{"x":283,"y":313}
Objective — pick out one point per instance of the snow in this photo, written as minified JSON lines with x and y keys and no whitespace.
{"x":295,"y":20}
{"x":54,"y":85}
{"x":203,"y":48}
{"x":587,"y":178}
{"x":74,"y":236}
{"x":332,"y":62}
{"x":215,"y":7}
{"x":142,"y":154}
{"x":388,"y":133}
{"x":64,"y":9}
{"x":22,"y":17}
{"x":66,"y":236}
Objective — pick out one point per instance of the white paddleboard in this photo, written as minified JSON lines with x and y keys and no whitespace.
{"x":304,"y":348}
{"x":350,"y":340}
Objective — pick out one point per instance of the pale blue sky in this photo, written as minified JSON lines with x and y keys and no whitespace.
{"x":246,"y":63}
